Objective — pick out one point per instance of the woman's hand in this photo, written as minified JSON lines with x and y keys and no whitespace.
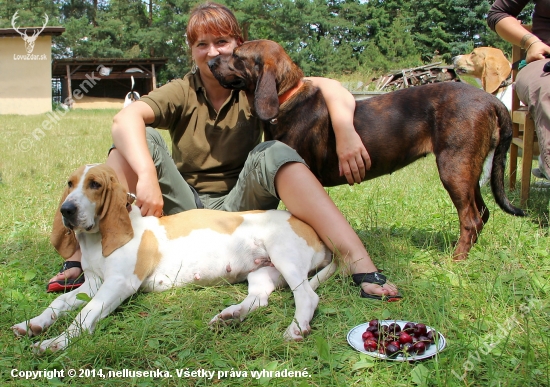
{"x":149,"y":197}
{"x":537,"y":51}
{"x":511,"y":30}
{"x":129,"y":136}
{"x":353,"y":158}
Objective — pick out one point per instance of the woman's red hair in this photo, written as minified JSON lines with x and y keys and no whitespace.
{"x":215,"y":19}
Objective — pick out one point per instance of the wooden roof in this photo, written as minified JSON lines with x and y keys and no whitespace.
{"x":52,"y":31}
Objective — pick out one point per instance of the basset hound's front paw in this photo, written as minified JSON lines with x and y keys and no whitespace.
{"x":229,"y":315}
{"x":27,"y":328}
{"x":295,"y":332}
{"x":56,"y":344}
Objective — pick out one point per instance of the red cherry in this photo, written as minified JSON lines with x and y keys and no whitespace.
{"x":419,"y":348}
{"x":392,"y":350}
{"x":373,"y":323}
{"x":382,"y":335}
{"x":394,"y":328}
{"x":404,"y":337}
{"x":425,"y":340}
{"x":420,"y":330}
{"x":372,"y":328}
{"x":367,"y":335}
{"x":409,"y":327}
{"x":408,"y":348}
{"x":370,"y":345}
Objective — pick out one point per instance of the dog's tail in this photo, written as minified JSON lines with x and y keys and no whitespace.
{"x":499,"y":161}
{"x":323,"y":275}
{"x":132,"y":96}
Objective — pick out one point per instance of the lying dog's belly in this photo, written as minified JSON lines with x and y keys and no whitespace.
{"x":171,"y":255}
{"x":206,"y":258}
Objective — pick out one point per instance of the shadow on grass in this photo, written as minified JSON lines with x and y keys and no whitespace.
{"x":538,"y":204}
{"x":400,"y":239}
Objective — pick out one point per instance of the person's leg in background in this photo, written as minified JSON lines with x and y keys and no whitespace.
{"x":533,"y":89}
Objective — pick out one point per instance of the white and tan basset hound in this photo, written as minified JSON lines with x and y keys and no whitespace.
{"x":491,"y":67}
{"x":123,"y":252}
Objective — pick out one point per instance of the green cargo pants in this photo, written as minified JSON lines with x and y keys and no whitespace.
{"x":255,"y":188}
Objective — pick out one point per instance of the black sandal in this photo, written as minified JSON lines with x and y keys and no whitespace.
{"x":67,"y":284}
{"x":376,"y":278}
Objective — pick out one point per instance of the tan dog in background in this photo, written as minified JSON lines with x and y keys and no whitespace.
{"x":491,"y":67}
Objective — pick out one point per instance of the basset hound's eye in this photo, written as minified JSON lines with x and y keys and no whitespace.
{"x":70,"y":184}
{"x":94,"y":185}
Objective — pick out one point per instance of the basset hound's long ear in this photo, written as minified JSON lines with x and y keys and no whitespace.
{"x":114,"y":222}
{"x":62,"y":238}
{"x":496,"y":70}
{"x":266,"y":101}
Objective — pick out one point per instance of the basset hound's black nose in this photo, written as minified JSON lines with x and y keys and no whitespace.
{"x":68,"y":210}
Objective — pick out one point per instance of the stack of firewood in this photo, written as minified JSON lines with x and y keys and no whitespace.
{"x":422,"y":75}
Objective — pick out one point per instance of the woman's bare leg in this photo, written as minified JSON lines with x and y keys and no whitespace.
{"x":306,"y":199}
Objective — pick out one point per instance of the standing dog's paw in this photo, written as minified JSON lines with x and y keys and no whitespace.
{"x":27,"y":329}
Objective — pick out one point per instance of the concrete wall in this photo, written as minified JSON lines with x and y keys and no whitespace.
{"x":25,"y":79}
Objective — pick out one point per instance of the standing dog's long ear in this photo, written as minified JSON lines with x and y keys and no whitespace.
{"x":496,"y":70}
{"x":63,"y":239}
{"x":266,"y":102}
{"x":114,"y":222}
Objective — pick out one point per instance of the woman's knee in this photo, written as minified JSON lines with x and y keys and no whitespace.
{"x":126,"y":175}
{"x":154,"y":139}
{"x":157,"y":146}
{"x":275,"y":154}
{"x":531,"y":86}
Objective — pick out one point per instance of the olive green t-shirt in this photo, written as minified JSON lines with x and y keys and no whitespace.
{"x":208,"y":147}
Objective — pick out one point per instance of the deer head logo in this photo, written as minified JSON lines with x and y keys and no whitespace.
{"x":29,"y":40}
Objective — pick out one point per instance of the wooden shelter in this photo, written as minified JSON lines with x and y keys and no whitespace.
{"x":95,"y":83}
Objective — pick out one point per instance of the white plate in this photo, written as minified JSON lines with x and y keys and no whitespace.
{"x":355,"y":339}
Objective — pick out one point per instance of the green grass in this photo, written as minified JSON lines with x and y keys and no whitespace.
{"x":408,"y":224}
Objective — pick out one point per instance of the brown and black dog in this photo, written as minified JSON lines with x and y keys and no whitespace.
{"x":462,"y":125}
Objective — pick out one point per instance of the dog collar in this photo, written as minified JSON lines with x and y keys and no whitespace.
{"x":289,"y":93}
{"x":507,"y":82}
{"x":130,"y":199}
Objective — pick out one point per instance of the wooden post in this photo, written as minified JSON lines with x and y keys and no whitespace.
{"x":69,"y":87}
{"x":154,"y":79}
